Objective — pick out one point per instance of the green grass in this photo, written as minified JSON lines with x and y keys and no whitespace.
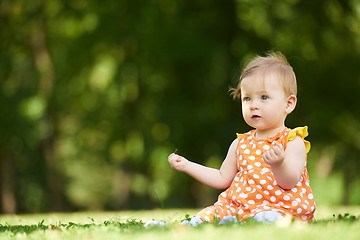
{"x":339,"y":223}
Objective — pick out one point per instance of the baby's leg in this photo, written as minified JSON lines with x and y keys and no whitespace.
{"x":155,"y":223}
{"x":205,"y":215}
{"x":267,"y":216}
{"x":194,"y":221}
{"x":228,"y":219}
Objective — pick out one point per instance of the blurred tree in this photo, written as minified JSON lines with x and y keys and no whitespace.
{"x":95,"y":95}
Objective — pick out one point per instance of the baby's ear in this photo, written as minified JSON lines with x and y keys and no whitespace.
{"x":290,"y":104}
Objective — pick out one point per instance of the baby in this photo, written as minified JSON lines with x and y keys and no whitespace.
{"x":264,"y":172}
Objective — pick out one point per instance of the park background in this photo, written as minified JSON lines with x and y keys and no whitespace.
{"x":95,"y":95}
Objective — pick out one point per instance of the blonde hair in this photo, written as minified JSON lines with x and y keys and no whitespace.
{"x":272,"y":62}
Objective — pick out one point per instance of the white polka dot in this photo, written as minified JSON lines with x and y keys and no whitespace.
{"x":207,"y":219}
{"x":238,"y":189}
{"x":304,"y":217}
{"x":270,"y":187}
{"x":251,"y":181}
{"x":223,"y":194}
{"x":252,"y":158}
{"x":258,"y":164}
{"x":265,"y":202}
{"x":240,"y":211}
{"x":263,"y":181}
{"x":272,"y":198}
{"x":294,"y":190}
{"x":278,"y":192}
{"x":249,"y":167}
{"x":258,"y":152}
{"x":294,"y":203}
{"x":266,"y":147}
{"x":248,"y":189}
{"x":298,"y":200}
{"x":259,"y":187}
{"x":303,"y":190}
{"x":247,"y":151}
{"x":259,"y":196}
{"x":266,"y":192}
{"x":310,"y":196}
{"x":243,"y":195}
{"x":265,"y":170}
{"x":251,"y":202}
{"x":244,"y":162}
{"x":243,"y":146}
{"x":256,"y":176}
{"x":299,"y":210}
{"x":233,"y":210}
{"x":286,"y":197}
{"x":266,"y":207}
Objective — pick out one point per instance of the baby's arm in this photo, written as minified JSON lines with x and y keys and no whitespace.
{"x":215,"y":178}
{"x":287,"y":166}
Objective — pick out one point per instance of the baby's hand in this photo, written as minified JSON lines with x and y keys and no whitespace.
{"x":177,"y":162}
{"x":274,"y":156}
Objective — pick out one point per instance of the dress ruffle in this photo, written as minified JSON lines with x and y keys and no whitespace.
{"x":301,"y":132}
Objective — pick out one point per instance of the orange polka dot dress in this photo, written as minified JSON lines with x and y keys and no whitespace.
{"x":254,"y":188}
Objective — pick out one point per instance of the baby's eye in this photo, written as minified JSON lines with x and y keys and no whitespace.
{"x":264,"y":97}
{"x":246,"y":99}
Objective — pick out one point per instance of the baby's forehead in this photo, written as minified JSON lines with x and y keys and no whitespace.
{"x":261,"y":80}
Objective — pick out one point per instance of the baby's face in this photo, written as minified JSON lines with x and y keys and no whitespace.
{"x":263,"y":102}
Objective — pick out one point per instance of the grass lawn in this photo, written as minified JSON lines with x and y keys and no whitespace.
{"x":129,"y":225}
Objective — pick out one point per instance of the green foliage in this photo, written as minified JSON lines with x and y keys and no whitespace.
{"x":95,"y":95}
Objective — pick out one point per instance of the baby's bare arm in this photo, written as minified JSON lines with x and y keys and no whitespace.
{"x":287,"y":166}
{"x":215,"y":178}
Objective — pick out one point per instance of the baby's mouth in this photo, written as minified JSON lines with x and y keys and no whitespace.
{"x":256,"y":117}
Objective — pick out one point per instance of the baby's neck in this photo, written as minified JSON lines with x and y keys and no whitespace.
{"x":264,"y":134}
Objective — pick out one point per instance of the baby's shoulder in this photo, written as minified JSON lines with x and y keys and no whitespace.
{"x":245,"y":135}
